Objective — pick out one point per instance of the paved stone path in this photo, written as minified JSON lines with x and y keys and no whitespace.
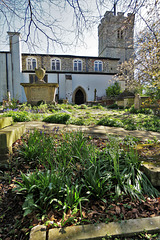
{"x":95,"y":130}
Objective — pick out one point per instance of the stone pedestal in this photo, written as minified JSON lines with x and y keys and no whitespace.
{"x":40,"y":92}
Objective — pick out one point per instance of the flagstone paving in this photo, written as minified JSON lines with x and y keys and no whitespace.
{"x":100,"y":131}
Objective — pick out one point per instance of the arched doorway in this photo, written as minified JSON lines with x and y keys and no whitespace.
{"x":79,"y":97}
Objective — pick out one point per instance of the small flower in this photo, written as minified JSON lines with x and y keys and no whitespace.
{"x":44,"y":126}
{"x":51,"y":222}
{"x":41,"y":132}
{"x":57,"y":129}
{"x":54,"y":129}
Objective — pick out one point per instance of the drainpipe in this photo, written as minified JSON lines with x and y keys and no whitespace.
{"x":10,"y":38}
{"x":58,"y":85}
{"x":7,"y":83}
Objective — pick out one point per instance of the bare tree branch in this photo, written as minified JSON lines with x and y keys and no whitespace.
{"x":52,"y":18}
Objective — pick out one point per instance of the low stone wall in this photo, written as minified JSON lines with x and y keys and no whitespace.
{"x":90,"y":103}
{"x":8,"y":135}
{"x":5,"y":122}
{"x":124,"y":228}
{"x":120,"y":103}
{"x":128,"y":102}
{"x":107,"y":102}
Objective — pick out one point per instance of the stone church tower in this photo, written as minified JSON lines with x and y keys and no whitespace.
{"x":115,"y":34}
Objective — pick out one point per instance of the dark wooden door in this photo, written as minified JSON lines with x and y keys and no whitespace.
{"x":79,"y":97}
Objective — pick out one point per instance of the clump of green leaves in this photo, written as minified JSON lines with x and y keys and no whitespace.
{"x":23,"y":116}
{"x":98,"y":107}
{"x":10,"y":103}
{"x":18,"y":116}
{"x":83,"y":106}
{"x":113,"y":106}
{"x":113,"y":90}
{"x":37,"y":146}
{"x":75,"y":170}
{"x":142,"y":110}
{"x":77,"y":121}
{"x":112,"y":122}
{"x":57,"y":118}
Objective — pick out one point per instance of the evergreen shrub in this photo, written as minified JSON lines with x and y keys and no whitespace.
{"x":57,"y":118}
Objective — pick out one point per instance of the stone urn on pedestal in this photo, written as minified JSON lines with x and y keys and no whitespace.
{"x":40,"y":73}
{"x":40,"y":91}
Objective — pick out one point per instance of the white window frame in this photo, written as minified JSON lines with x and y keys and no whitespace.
{"x":98,"y":63}
{"x":30,"y":66}
{"x":56,"y":60}
{"x":77,"y":62}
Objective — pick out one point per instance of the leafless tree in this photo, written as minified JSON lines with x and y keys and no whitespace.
{"x":61,"y":21}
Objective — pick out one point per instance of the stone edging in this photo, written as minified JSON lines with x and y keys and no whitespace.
{"x":97,"y":231}
{"x":9,"y":133}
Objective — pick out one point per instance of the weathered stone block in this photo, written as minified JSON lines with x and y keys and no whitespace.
{"x":124,"y":228}
{"x":152,"y":172}
{"x":5,"y":122}
{"x":38,"y":233}
{"x":120,"y":103}
{"x":9,"y":135}
{"x":38,"y":92}
{"x":128,"y":102}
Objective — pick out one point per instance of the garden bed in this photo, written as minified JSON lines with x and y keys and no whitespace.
{"x":129,"y":119}
{"x":87,"y":177}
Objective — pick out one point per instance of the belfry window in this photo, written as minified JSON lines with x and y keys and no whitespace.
{"x":31,"y":63}
{"x":120,"y":34}
{"x":77,"y":65}
{"x":98,"y":66}
{"x":55,"y":64}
